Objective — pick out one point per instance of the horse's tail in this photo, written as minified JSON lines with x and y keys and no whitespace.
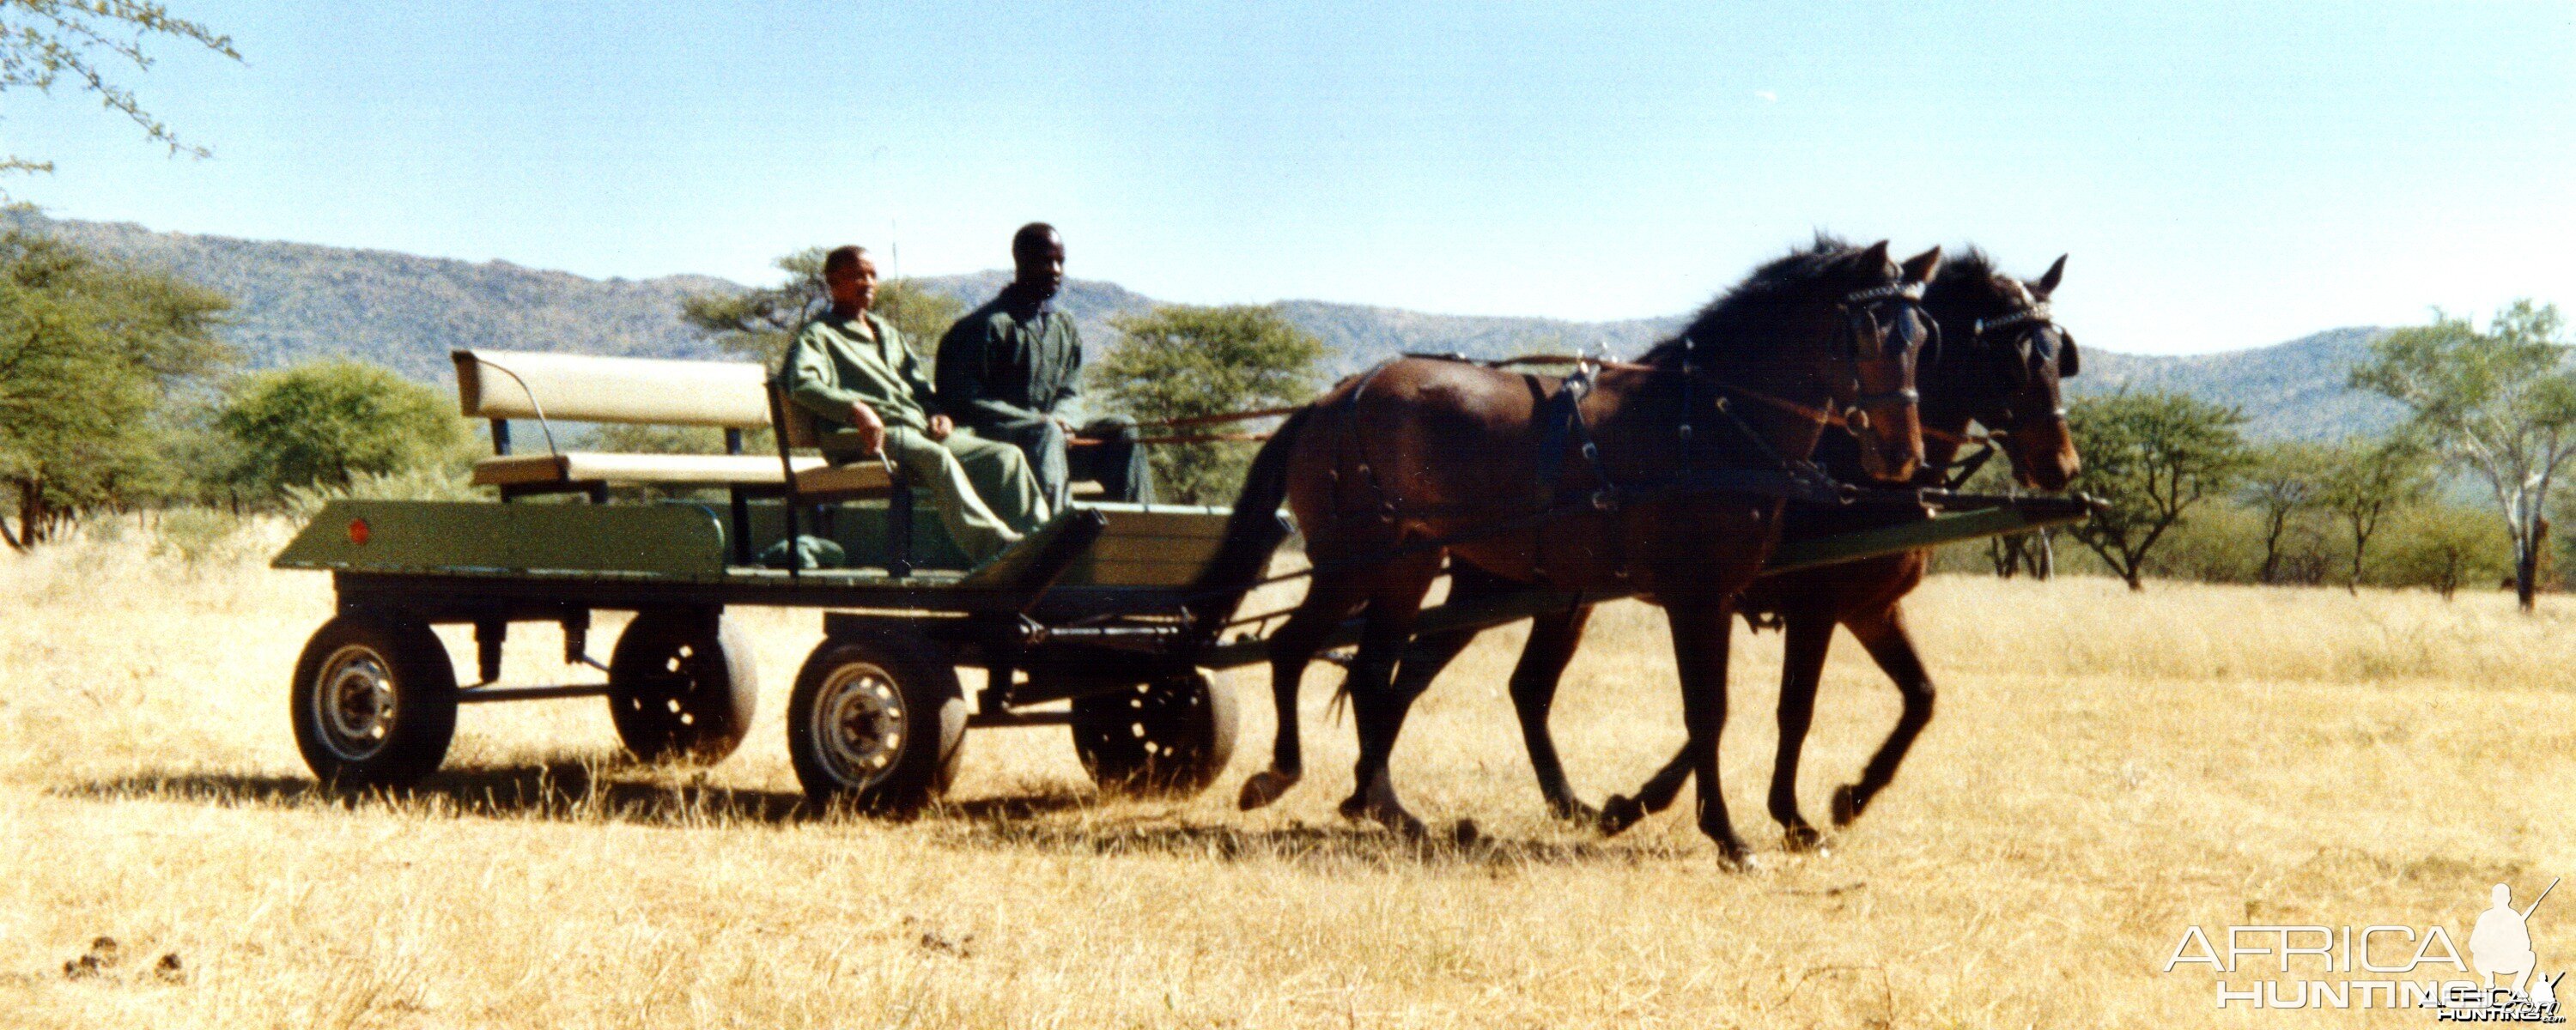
{"x":1252,"y":533}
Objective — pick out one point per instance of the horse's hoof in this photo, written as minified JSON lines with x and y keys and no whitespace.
{"x":1574,"y":811}
{"x":1847,"y":805}
{"x":1731,"y":852}
{"x":1619,"y":813}
{"x":1801,"y":837}
{"x":1264,"y":787}
{"x":1358,"y":808}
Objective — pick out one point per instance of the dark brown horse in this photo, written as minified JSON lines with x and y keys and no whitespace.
{"x":1654,"y":487}
{"x":1999,"y":366}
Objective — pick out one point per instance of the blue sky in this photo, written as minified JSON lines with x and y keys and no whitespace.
{"x":2224,"y":175}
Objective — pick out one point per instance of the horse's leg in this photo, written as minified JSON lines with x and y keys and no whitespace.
{"x":1699,"y":648}
{"x":1429,"y":654}
{"x":1553,"y":637}
{"x":1809,"y":631}
{"x":1621,"y":811}
{"x":1328,"y":601}
{"x":1376,"y":706}
{"x":1885,"y":637}
{"x":1552,"y":640}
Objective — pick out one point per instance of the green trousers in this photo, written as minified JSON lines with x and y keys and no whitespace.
{"x":982,"y":488}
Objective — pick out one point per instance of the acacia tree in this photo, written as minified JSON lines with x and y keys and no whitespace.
{"x":1179,"y":361}
{"x":319,"y":424}
{"x":2366,"y":482}
{"x":2501,"y":404}
{"x":89,"y":350}
{"x":2151,"y":458}
{"x":2282,"y":481}
{"x":47,"y":43}
{"x":759,"y":323}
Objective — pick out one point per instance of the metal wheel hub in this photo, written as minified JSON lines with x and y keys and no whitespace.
{"x":860,"y":724}
{"x":677,"y":686}
{"x":357,"y":703}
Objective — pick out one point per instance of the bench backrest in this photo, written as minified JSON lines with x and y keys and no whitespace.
{"x":797,"y":427}
{"x":584,"y":388}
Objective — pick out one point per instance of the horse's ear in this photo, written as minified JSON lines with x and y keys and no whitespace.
{"x":2047,"y":283}
{"x":1919,"y":268}
{"x":1873,"y":260}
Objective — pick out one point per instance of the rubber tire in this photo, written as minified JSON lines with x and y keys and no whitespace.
{"x":934,"y":722}
{"x":715,"y":694}
{"x":1169,"y":738}
{"x":423,"y":682}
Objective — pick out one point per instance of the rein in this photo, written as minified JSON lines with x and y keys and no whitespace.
{"x":1810,"y":412}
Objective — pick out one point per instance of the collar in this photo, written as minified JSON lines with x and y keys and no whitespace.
{"x":1023,"y":307}
{"x":869,"y":318}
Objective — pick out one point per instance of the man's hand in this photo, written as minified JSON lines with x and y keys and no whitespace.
{"x":1064,"y":424}
{"x":870,"y":428}
{"x":940,"y":427}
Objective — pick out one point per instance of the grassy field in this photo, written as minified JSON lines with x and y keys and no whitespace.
{"x":2106,"y":769}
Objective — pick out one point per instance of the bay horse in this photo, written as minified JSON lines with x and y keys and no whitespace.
{"x":1999,"y":365}
{"x":1649,"y":480}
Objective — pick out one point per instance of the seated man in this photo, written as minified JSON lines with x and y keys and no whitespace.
{"x":1007,"y":368}
{"x":852,"y":370}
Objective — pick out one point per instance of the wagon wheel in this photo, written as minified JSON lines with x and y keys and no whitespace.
{"x":374,"y":702}
{"x":877,"y":721}
{"x":681,"y":685}
{"x":1170,"y":737}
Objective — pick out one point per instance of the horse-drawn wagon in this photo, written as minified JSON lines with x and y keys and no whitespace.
{"x":1086,"y":623}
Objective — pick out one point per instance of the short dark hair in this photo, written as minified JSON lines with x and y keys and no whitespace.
{"x":843,"y":259}
{"x":1031,"y":237}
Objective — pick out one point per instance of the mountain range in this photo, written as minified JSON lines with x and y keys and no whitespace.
{"x":298,"y":301}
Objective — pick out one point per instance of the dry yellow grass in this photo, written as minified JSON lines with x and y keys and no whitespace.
{"x":2106,"y":769}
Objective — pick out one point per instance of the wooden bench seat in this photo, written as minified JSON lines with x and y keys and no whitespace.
{"x":712,"y":470}
{"x":729,"y":395}
{"x":671,"y":469}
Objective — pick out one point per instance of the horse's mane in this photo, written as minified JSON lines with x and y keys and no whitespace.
{"x":1972,"y":268}
{"x":1741,"y":321}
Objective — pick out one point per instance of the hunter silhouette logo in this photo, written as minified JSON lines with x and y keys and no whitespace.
{"x":2408,"y":963}
{"x":2501,"y":943}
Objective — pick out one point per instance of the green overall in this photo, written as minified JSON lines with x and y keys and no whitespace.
{"x":981,"y":488}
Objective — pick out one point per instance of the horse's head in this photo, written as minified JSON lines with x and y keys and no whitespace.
{"x":1877,"y":330}
{"x":1832,"y":332}
{"x":2004,"y":365}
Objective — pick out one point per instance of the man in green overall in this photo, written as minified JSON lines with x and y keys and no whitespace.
{"x":1007,"y":369}
{"x":853,"y":371}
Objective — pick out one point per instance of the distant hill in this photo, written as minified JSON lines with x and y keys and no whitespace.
{"x":2293,"y":390}
{"x":298,"y":301}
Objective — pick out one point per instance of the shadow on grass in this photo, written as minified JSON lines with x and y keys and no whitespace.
{"x":1024,"y":823}
{"x":1052,"y":819}
{"x":566,"y":790}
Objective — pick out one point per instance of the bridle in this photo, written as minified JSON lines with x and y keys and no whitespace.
{"x":2036,"y":338}
{"x":2030,"y":326}
{"x":1861,"y":311}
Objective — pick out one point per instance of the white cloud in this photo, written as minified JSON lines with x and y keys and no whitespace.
{"x":1766,"y":96}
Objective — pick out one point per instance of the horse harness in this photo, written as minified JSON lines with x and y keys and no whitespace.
{"x":1565,"y":430}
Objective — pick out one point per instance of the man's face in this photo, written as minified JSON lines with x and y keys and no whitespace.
{"x":853,"y":286}
{"x":1041,"y":266}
